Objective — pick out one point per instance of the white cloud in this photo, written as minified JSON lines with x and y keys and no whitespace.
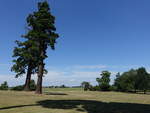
{"x":90,"y":66}
{"x":12,"y":81}
{"x":70,"y":76}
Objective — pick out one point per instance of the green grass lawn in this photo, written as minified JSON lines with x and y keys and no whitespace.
{"x":62,"y":89}
{"x":73,"y":100}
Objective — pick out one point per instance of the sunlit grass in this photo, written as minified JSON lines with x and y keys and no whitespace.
{"x":63,"y":100}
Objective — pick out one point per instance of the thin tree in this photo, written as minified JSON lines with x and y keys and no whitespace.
{"x":42,"y":31}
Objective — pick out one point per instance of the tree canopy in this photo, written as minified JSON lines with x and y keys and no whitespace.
{"x":104,"y":80}
{"x":133,"y":80}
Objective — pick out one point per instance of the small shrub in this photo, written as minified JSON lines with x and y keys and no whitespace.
{"x":113,"y":88}
{"x":86,"y":86}
{"x":32,"y":85}
{"x":4,"y":86}
{"x":95,"y":88}
{"x":18,"y":88}
{"x":21,"y":87}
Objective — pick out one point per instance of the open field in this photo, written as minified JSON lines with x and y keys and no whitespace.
{"x":73,"y":101}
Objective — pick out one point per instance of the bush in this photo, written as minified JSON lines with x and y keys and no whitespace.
{"x":86,"y":86}
{"x":113,"y":88}
{"x":21,"y":87}
{"x":32,"y":85}
{"x":105,"y":87}
{"x":18,"y":88}
{"x":4,"y":86}
{"x":63,"y":86}
{"x":95,"y":88}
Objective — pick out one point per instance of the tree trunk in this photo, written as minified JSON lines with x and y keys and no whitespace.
{"x":144,"y":91}
{"x":39,"y":81}
{"x":134,"y":90}
{"x":40,"y":75}
{"x":28,"y":78}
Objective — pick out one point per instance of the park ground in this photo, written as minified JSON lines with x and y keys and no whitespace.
{"x":73,"y":100}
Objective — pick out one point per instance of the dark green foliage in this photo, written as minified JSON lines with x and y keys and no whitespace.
{"x":26,"y":57}
{"x":133,"y":80}
{"x":32,"y":85}
{"x":104,"y":80}
{"x":41,"y":28}
{"x":30,"y":54}
{"x":143,"y":79}
{"x":26,"y":60}
{"x":117,"y":82}
{"x":4,"y":86}
{"x":18,"y":88}
{"x":95,"y":88}
{"x":86,"y":86}
{"x":63,"y":86}
{"x":112,"y":88}
{"x":21,"y":87}
{"x":42,"y":32}
{"x":126,"y":81}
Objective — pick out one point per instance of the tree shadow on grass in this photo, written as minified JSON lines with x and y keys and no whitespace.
{"x":89,"y":106}
{"x":18,"y":106}
{"x":139,"y":93}
{"x":54,"y":93}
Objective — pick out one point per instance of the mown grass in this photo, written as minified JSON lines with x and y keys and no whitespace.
{"x":62,"y":89}
{"x":73,"y":101}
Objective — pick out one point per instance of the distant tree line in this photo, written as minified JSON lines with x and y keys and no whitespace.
{"x":133,"y":80}
{"x":61,"y":86}
{"x":32,"y":85}
{"x":5,"y":86}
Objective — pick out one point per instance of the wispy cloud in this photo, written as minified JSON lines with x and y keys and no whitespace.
{"x":90,"y":66}
{"x":12,"y":81}
{"x":70,"y":75}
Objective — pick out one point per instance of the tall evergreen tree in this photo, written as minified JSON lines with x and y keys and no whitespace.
{"x":26,"y":61}
{"x":42,"y":31}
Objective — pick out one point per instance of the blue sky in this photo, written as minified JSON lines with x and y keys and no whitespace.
{"x":95,"y":35}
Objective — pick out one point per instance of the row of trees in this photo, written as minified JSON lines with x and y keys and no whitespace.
{"x":4,"y":86}
{"x":103,"y":83}
{"x":131,"y":81}
{"x":30,"y":53}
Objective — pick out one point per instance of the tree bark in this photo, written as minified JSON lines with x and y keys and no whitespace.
{"x":28,"y":79}
{"x":40,"y":75}
{"x":144,"y":91}
{"x":134,"y":90}
{"x":39,"y":81}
